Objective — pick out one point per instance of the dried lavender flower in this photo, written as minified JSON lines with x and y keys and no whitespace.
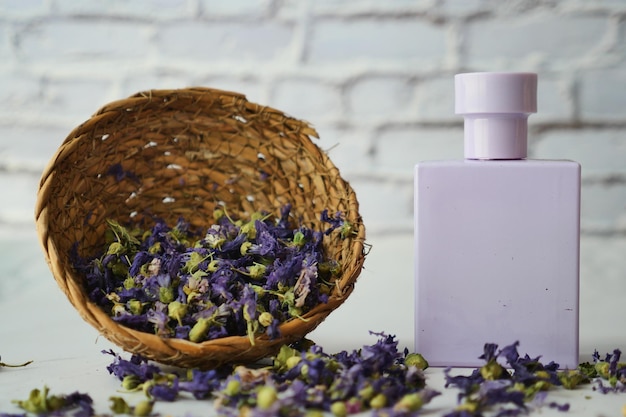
{"x":238,"y":277}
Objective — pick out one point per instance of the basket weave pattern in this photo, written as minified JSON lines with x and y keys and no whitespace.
{"x":178,"y":153}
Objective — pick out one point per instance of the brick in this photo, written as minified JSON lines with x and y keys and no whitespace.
{"x":555,"y":101}
{"x":293,"y":8}
{"x":71,"y":41}
{"x":307,"y":99}
{"x":348,"y":148}
{"x":381,"y":98}
{"x":138,"y":9}
{"x":232,"y":41}
{"x":6,"y":53}
{"x":70,"y":102}
{"x":462,"y":8}
{"x":601,"y":94}
{"x":435,"y":100}
{"x":360,"y":7}
{"x":372,"y":40}
{"x":386,"y":204}
{"x":23,"y":8}
{"x":601,"y":153}
{"x":602,"y":285}
{"x":19,"y":93}
{"x":546,"y":40}
{"x":240,"y":8}
{"x":137,"y":82}
{"x":253,"y":88}
{"x":29,"y":148}
{"x":23,"y":262}
{"x":19,"y":191}
{"x":398,"y":150}
{"x":603,"y":208}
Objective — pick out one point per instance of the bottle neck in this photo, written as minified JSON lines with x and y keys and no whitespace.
{"x":496,"y":136}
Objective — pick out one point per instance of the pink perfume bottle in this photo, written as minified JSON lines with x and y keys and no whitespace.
{"x":497,"y":235}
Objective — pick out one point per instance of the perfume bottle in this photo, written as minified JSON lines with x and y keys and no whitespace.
{"x":496,"y":235}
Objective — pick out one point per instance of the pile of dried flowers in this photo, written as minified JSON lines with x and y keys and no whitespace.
{"x":239,"y":277}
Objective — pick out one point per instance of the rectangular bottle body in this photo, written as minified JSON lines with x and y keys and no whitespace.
{"x":497,"y":259}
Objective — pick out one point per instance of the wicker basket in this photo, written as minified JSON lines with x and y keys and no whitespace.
{"x":187,"y":150}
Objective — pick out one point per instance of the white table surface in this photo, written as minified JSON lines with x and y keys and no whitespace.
{"x":38,"y":323}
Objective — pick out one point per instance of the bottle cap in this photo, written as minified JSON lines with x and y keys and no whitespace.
{"x":496,"y":106}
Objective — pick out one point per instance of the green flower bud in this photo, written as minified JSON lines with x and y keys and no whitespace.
{"x":119,"y":406}
{"x":218,"y":214}
{"x":379,"y":401}
{"x":339,"y":409}
{"x":293,"y":361}
{"x":492,"y":371}
{"x":116,"y":248}
{"x":367,"y":392}
{"x":417,"y":360}
{"x":266,"y":318}
{"x":410,"y":402}
{"x":177,"y":310}
{"x":245,"y":246}
{"x":135,"y":307}
{"x":249,"y":229}
{"x":602,"y":368}
{"x":257,"y":271}
{"x":572,"y":378}
{"x":143,"y":408}
{"x":266,"y":396}
{"x":156,"y":248}
{"x":199,"y":330}
{"x":166,"y":295}
{"x":130,"y":382}
{"x":232,"y":388}
{"x":213,"y":265}
{"x":346,"y":229}
{"x":129,"y":283}
{"x":298,"y":239}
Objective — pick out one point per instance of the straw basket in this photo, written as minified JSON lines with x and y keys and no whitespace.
{"x":187,"y":150}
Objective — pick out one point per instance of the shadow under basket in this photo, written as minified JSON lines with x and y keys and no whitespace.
{"x":179,"y":153}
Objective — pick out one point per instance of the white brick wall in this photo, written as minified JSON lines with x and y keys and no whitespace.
{"x":374,"y":77}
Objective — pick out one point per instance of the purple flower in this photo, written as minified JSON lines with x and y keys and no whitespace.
{"x":335,"y":221}
{"x":164,"y":392}
{"x":266,"y":243}
{"x":160,"y":320}
{"x":202,"y":384}
{"x":137,"y":367}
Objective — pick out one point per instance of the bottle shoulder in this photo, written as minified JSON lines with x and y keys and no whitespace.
{"x":500,"y":164}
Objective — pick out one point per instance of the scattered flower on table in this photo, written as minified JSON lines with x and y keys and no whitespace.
{"x":300,"y":380}
{"x":609,"y":369}
{"x":41,"y":403}
{"x":510,"y":392}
